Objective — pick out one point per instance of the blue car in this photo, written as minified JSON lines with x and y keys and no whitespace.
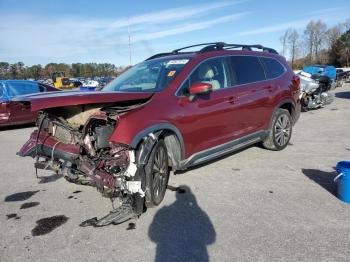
{"x":13,"y":112}
{"x":322,"y":70}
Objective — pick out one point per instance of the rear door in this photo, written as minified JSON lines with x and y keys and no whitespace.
{"x":274,"y":70}
{"x":252,"y":92}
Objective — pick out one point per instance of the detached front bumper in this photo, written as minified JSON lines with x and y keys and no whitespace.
{"x":47,"y":146}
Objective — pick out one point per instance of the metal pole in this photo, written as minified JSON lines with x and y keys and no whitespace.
{"x":129,"y":41}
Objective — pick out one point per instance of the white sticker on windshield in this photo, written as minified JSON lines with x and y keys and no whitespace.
{"x":178,"y":62}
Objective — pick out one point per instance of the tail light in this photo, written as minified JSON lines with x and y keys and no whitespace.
{"x":3,"y":107}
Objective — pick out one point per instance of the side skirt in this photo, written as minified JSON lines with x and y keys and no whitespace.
{"x":220,"y":150}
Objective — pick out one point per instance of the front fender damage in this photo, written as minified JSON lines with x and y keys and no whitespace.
{"x":84,"y":155}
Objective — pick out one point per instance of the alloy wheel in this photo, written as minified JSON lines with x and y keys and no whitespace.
{"x":282,"y":130}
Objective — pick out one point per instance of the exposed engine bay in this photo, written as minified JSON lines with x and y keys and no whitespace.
{"x":74,"y":142}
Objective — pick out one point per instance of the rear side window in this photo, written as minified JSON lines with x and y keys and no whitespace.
{"x":273,"y":67}
{"x":246,"y":69}
{"x":42,"y":88}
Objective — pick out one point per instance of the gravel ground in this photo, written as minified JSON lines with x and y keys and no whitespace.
{"x":255,"y":205}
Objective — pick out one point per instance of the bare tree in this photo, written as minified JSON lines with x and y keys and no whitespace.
{"x":346,"y":25}
{"x":293,"y":39}
{"x":319,"y":37}
{"x":314,"y":36}
{"x":309,"y":36}
{"x":284,"y":40}
{"x":332,"y":34}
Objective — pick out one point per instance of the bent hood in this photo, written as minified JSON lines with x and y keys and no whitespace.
{"x":68,"y":98}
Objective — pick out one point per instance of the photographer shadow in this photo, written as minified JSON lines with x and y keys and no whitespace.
{"x":182,"y":231}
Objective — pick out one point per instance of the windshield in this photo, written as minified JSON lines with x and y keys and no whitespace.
{"x":148,"y":76}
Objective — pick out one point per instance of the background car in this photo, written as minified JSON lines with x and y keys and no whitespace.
{"x":14,"y":112}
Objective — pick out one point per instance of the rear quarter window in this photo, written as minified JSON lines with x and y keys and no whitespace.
{"x":246,"y":69}
{"x":273,"y":68}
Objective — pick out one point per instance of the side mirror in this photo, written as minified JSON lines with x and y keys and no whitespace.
{"x":200,"y":88}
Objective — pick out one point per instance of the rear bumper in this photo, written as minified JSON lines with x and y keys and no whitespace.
{"x":297,"y":111}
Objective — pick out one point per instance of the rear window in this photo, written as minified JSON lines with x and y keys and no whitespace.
{"x":246,"y":69}
{"x":273,"y":67}
{"x":21,"y":88}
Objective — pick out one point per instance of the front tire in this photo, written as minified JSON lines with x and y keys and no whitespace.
{"x":280,"y":131}
{"x":157,"y":171}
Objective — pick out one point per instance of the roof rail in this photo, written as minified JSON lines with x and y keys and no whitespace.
{"x":208,"y":47}
{"x":158,"y":55}
{"x":218,"y":45}
{"x":249,"y":47}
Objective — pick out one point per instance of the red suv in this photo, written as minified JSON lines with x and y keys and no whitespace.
{"x":170,"y":112}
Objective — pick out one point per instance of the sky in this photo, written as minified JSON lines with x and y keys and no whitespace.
{"x":42,"y":31}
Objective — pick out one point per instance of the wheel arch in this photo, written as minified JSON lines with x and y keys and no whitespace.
{"x":287,"y":104}
{"x":172,"y":137}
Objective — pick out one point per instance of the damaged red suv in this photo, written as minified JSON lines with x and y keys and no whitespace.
{"x":170,"y":112}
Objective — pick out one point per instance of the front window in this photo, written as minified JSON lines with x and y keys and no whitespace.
{"x":148,"y":76}
{"x":213,"y":71}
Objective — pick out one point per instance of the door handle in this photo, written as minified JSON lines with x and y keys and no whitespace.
{"x":271,"y":88}
{"x":232,"y":99}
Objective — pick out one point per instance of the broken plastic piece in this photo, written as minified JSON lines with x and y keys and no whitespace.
{"x":135,"y":187}
{"x":132,"y":156}
{"x":117,"y":216}
{"x":89,"y":222}
{"x":131,"y":170}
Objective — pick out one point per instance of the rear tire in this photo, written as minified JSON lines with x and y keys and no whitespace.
{"x":280,"y":130}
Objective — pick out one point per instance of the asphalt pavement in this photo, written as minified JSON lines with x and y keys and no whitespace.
{"x":255,"y":205}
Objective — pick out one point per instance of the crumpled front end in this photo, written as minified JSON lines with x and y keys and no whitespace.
{"x":74,"y":142}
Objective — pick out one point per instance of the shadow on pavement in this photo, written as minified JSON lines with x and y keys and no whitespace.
{"x":324,"y":179}
{"x":182,"y":231}
{"x":49,"y":179}
{"x":21,"y":196}
{"x":345,"y":95}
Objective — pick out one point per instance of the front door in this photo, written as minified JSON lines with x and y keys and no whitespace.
{"x":207,"y":118}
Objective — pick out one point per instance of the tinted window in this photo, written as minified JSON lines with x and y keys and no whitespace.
{"x":42,"y":88}
{"x":213,"y":71}
{"x":273,"y":67}
{"x":246,"y":69}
